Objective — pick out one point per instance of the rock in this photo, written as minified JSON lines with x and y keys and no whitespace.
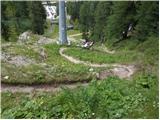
{"x":57,"y":42}
{"x":93,"y":113}
{"x":43,"y":40}
{"x":120,"y":72}
{"x":5,"y":56}
{"x":43,"y":53}
{"x":91,"y":70}
{"x":104,"y":74}
{"x":6,"y":77}
{"x":69,"y":42}
{"x":24,"y":37}
{"x":21,"y":61}
{"x":97,"y":75}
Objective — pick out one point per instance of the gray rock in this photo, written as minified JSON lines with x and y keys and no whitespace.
{"x":5,"y":56}
{"x":43,"y":40}
{"x":21,"y":61}
{"x":120,"y":72}
{"x":24,"y":37}
{"x":104,"y":74}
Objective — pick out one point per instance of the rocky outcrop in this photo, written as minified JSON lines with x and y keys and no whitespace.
{"x":24,"y":37}
{"x":44,"y":40}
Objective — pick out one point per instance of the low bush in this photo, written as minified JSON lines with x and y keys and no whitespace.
{"x":111,"y":98}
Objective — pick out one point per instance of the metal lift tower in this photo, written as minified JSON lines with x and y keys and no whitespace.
{"x":62,"y":23}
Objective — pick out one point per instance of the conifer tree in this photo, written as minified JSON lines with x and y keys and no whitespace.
{"x":87,"y":20}
{"x":148,"y":19}
{"x":73,"y":9}
{"x":4,"y":25}
{"x":38,"y":17}
{"x":123,"y":14}
{"x":9,"y":23}
{"x":102,"y":12}
{"x":15,"y":14}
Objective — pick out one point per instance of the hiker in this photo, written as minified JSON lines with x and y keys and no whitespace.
{"x":87,"y":44}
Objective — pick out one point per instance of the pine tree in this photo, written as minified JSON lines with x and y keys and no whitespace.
{"x":14,"y":17}
{"x":4,"y":25}
{"x":148,"y":19}
{"x":123,"y":14}
{"x":102,"y":12}
{"x":38,"y":17}
{"x":87,"y":20}
{"x":9,"y":23}
{"x":22,"y":16}
{"x":73,"y":9}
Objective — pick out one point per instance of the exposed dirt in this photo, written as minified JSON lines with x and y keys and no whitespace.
{"x":21,"y":61}
{"x":122,"y":71}
{"x":44,"y":40}
{"x":16,"y":60}
{"x":31,"y":88}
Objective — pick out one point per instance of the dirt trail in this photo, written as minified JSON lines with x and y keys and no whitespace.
{"x":75,"y":35}
{"x":118,"y":69}
{"x":42,"y":87}
{"x":77,"y":61}
{"x":122,"y":71}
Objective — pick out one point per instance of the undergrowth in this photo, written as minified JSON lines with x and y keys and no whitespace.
{"x":102,"y":57}
{"x":55,"y":68}
{"x":111,"y":98}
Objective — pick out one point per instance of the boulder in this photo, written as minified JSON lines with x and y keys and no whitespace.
{"x":24,"y":37}
{"x":21,"y":61}
{"x":104,"y":74}
{"x":44,"y":40}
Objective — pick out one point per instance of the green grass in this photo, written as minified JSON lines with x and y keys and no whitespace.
{"x":72,"y":32}
{"x":58,"y":69}
{"x":24,"y":50}
{"x":149,"y":53}
{"x":78,"y":37}
{"x":54,"y":33}
{"x":25,"y":74}
{"x":102,"y":57}
{"x":112,"y":98}
{"x":150,"y":48}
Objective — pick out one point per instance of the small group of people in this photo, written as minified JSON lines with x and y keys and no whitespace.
{"x":87,"y":44}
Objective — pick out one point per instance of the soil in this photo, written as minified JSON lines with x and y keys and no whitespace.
{"x":122,"y":71}
{"x":16,"y":60}
{"x":41,"y":87}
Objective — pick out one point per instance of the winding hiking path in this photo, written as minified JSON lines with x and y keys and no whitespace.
{"x":117,"y":70}
{"x":122,"y":71}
